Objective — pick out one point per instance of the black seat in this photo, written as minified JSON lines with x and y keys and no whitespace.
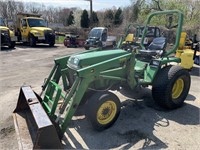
{"x":156,"y":47}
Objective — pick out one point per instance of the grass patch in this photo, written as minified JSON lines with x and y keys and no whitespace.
{"x":59,"y":39}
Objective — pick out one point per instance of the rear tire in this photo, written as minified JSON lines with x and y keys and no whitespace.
{"x":103,"y":109}
{"x":171,"y":87}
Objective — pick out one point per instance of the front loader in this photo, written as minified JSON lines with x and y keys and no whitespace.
{"x":89,"y":76}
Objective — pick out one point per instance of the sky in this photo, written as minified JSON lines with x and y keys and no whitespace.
{"x":84,"y":4}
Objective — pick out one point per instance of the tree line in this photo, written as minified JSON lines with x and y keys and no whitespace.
{"x":113,"y":17}
{"x":66,"y":16}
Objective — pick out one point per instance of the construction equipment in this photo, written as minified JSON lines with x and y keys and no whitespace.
{"x":8,"y":37}
{"x":98,"y":38}
{"x":73,"y":40}
{"x":33,"y":29}
{"x":187,"y":53}
{"x":134,"y":36}
{"x":91,"y":74}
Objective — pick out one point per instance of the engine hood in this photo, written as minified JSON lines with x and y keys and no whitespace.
{"x":41,"y":29}
{"x":3,"y":28}
{"x":90,"y":58}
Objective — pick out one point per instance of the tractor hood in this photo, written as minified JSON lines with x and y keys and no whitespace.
{"x":87,"y":59}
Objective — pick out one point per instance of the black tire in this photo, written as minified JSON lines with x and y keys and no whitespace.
{"x":32,"y":41}
{"x":87,"y":47}
{"x":51,"y":44}
{"x":12,"y":44}
{"x":100,"y":45}
{"x":171,"y":87}
{"x":114,"y":44}
{"x":86,"y":97}
{"x":99,"y":103}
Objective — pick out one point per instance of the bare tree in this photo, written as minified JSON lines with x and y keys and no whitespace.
{"x":11,"y":8}
{"x":157,"y":5}
{"x":3,"y":9}
{"x":20,"y":7}
{"x":33,"y":7}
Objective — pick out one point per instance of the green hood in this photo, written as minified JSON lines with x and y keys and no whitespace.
{"x":90,"y":58}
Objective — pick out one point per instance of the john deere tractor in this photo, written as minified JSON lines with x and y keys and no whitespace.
{"x":89,"y":76}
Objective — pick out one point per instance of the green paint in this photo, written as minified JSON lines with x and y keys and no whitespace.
{"x":97,"y":70}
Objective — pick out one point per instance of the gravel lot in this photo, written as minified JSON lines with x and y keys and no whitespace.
{"x":141,"y":125}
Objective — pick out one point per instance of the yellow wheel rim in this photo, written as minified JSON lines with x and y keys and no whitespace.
{"x":177,"y":88}
{"x":106,"y":112}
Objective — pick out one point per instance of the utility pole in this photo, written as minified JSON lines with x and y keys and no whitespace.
{"x":91,"y":12}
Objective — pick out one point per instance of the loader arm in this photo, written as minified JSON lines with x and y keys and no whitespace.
{"x":60,"y":102}
{"x":74,"y":94}
{"x":49,"y":114}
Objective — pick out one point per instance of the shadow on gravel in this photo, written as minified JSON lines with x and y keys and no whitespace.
{"x":26,"y":45}
{"x":195,"y":71}
{"x":135,"y":126}
{"x":7,"y":49}
{"x":190,"y":98}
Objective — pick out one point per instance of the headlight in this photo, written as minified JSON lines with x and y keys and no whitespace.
{"x":73,"y":62}
{"x":76,"y":61}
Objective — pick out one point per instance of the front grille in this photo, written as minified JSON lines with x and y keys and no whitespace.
{"x":5,"y":38}
{"x":48,"y":31}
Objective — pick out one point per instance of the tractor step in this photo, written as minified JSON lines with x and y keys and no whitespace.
{"x":33,"y":126}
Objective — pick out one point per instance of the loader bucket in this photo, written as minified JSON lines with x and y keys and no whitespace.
{"x":34,"y":128}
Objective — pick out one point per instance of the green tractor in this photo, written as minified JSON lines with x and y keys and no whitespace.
{"x":88,"y":76}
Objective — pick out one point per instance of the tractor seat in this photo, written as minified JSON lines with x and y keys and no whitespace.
{"x":156,"y":47}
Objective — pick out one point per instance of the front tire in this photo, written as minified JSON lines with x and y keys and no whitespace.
{"x":103,"y":109}
{"x":32,"y":41}
{"x":114,"y":44}
{"x":51,"y":44}
{"x":87,"y":47}
{"x":100,"y":45}
{"x":12,"y":44}
{"x":171,"y":87}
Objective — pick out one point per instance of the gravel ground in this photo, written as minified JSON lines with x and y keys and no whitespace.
{"x":141,"y":124}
